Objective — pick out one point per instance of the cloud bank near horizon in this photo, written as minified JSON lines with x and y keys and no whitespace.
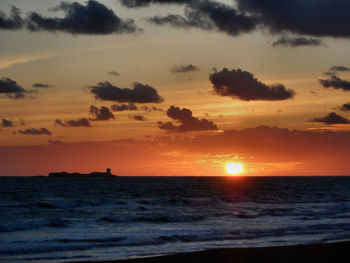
{"x":257,"y":147}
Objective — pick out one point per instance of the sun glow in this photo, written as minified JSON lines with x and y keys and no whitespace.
{"x":234,"y":168}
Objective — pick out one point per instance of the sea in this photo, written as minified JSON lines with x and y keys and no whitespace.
{"x":86,"y":219}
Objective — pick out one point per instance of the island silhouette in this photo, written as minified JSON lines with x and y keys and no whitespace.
{"x":108,"y":173}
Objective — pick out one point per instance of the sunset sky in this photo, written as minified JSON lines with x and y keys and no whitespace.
{"x":177,"y":87}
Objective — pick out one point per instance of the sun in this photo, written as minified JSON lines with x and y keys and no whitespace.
{"x":234,"y":168}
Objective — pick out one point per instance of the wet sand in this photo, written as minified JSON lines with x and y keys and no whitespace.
{"x":332,"y":253}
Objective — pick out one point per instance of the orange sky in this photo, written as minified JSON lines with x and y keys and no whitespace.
{"x":58,"y":73}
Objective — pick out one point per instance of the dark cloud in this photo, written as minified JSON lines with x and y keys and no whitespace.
{"x":41,"y":85}
{"x":179,"y":21}
{"x":114,"y":73}
{"x":139,"y":94}
{"x":210,"y":16}
{"x":34,"y":131}
{"x":146,"y":108}
{"x":138,"y":117}
{"x":83,"y":122}
{"x":55,"y":142}
{"x":13,"y":21}
{"x":314,"y":18}
{"x":102,"y":114}
{"x":184,"y":68}
{"x":328,"y":73}
{"x":93,"y":18}
{"x":149,"y":109}
{"x":11,"y":89}
{"x":7,"y":123}
{"x":244,"y":86}
{"x":336,"y":83}
{"x":143,"y":3}
{"x":224,"y":17}
{"x":294,"y":16}
{"x":332,"y":118}
{"x":186,"y":120}
{"x":156,"y":109}
{"x":339,"y":68}
{"x":297,"y":42}
{"x":345,"y":107}
{"x":124,"y":107}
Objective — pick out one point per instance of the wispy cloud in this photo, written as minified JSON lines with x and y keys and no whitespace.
{"x":23,"y":59}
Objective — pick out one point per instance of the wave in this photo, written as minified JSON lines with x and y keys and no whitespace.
{"x":90,"y":240}
{"x":169,"y":218}
{"x":62,"y":245}
{"x":70,"y":244}
{"x":56,"y":258}
{"x":306,"y":211}
{"x":64,"y":204}
{"x":73,"y":204}
{"x":184,"y":218}
{"x":109,"y":219}
{"x":34,"y":224}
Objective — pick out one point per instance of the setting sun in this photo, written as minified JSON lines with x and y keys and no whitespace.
{"x":234,"y":168}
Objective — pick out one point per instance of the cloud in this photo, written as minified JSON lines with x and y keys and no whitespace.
{"x":102,"y":114}
{"x":156,"y":109}
{"x":146,"y":108}
{"x":55,"y":142}
{"x":83,"y":122}
{"x":114,"y":73}
{"x":345,"y":107}
{"x":7,"y":123}
{"x":315,"y":18}
{"x":149,"y":109}
{"x":210,"y":16}
{"x":336,"y":83}
{"x":93,"y":18}
{"x":179,"y":21}
{"x":331,"y":18}
{"x":144,"y":3}
{"x":297,"y":42}
{"x":124,"y":107}
{"x":34,"y":131}
{"x":315,"y":152}
{"x":328,"y":73}
{"x":140,"y":93}
{"x":332,"y":118}
{"x":184,"y":68}
{"x":11,"y":89}
{"x":138,"y":117}
{"x":244,"y":86}
{"x":41,"y":85}
{"x":186,"y":120}
{"x":339,"y":68}
{"x":14,"y":21}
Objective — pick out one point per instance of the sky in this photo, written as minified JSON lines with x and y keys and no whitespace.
{"x":177,"y":87}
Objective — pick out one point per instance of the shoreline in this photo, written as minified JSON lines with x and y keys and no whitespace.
{"x":324,"y":252}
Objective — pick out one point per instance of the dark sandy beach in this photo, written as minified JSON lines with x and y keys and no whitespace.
{"x":332,"y":252}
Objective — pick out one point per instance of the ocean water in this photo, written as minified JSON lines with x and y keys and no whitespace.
{"x":65,"y":220}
